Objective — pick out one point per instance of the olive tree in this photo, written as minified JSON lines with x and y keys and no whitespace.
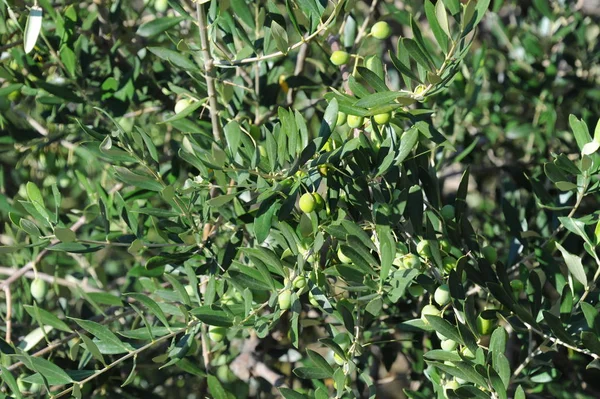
{"x":300,"y":198}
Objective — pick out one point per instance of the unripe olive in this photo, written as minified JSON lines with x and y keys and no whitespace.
{"x":517,"y":285}
{"x":448,"y":212}
{"x":445,"y":245}
{"x":466,"y":352}
{"x":193,"y":348}
{"x":299,"y":282}
{"x":431,"y":310}
{"x":411,"y":261}
{"x":382,"y":119}
{"x":307,"y":203}
{"x":423,"y":249}
{"x":319,"y":202}
{"x":216,"y":333}
{"x":339,"y":57}
{"x":452,"y":384}
{"x":341,"y":119}
{"x":442,"y":295}
{"x":381,"y":30}
{"x":401,"y":248}
{"x":419,"y":89}
{"x":285,"y":299}
{"x":225,"y":375}
{"x":190,"y":290}
{"x":161,"y":5}
{"x":39,"y":289}
{"x":323,"y":169}
{"x":490,"y":254}
{"x":449,"y":345}
{"x":416,"y":290}
{"x":181,"y":105}
{"x":355,"y":121}
{"x":449,"y":263}
{"x":338,"y":359}
{"x":485,"y":326}
{"x":262,"y":151}
{"x":342,"y":257}
{"x":312,"y":300}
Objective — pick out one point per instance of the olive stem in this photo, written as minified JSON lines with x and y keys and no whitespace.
{"x":210,"y":72}
{"x":306,"y":39}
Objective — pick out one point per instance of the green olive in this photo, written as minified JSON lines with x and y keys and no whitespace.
{"x":485,"y":326}
{"x":339,"y":57}
{"x":490,"y":254}
{"x":161,"y":5}
{"x":382,"y":119}
{"x":430,"y":310}
{"x":423,"y":249}
{"x":416,"y":290}
{"x":448,"y":212}
{"x":381,"y":30}
{"x":217,"y":333}
{"x":451,"y":385}
{"x":355,"y":121}
{"x":449,"y":263}
{"x":39,"y":289}
{"x":449,"y":345}
{"x":517,"y":285}
{"x":411,"y":261}
{"x":299,"y":282}
{"x":307,"y":203}
{"x":319,"y":202}
{"x":338,"y":359}
{"x":342,"y":257}
{"x":285,"y":299}
{"x":341,"y":119}
{"x":466,"y":352}
{"x":182,"y":104}
{"x":225,"y":375}
{"x":442,"y":295}
{"x":312,"y":300}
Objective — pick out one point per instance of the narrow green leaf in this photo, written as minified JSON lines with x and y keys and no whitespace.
{"x":92,"y":348}
{"x":445,"y":328}
{"x":320,"y":362}
{"x":216,"y":389}
{"x":417,"y":54}
{"x":157,"y":26}
{"x":53,"y":374}
{"x":8,"y":378}
{"x":574,"y":265}
{"x":152,"y":306}
{"x":291,"y":394}
{"x":311,"y":373}
{"x":212,"y":316}
{"x":103,"y":334}
{"x":46,"y":318}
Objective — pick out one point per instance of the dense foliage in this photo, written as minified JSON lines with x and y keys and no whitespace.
{"x":300,"y":198}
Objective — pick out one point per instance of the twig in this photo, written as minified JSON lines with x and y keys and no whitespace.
{"x":300,"y":60}
{"x":8,"y":295}
{"x":20,"y":272}
{"x":69,"y":337}
{"x":306,"y":39}
{"x":51,"y":279}
{"x":366,"y":22}
{"x":127,"y":356}
{"x":210,"y":72}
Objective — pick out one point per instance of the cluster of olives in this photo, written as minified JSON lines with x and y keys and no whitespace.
{"x":311,"y":202}
{"x":381,"y":30}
